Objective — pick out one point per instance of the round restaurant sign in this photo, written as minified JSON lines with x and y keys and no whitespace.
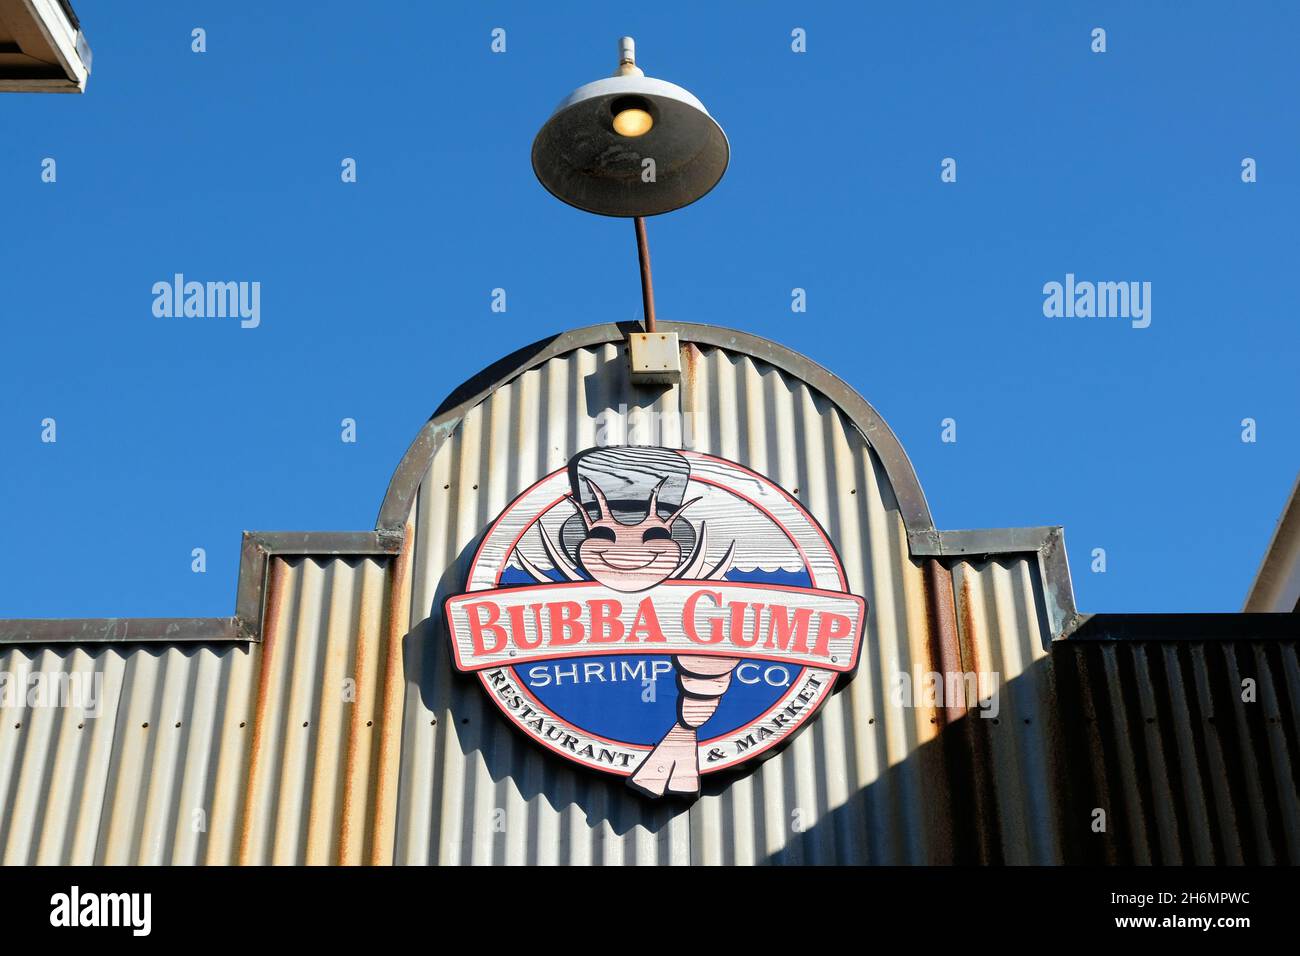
{"x":656,"y":614}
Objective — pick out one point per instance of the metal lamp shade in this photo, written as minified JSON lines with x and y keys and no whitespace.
{"x":581,"y":160}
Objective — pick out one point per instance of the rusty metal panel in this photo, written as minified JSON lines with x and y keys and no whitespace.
{"x":321,"y":718}
{"x":1124,"y":750}
{"x":218,"y":753}
{"x":147,"y":780}
{"x":1005,"y":636}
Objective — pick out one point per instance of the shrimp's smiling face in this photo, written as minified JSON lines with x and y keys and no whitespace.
{"x":629,"y":557}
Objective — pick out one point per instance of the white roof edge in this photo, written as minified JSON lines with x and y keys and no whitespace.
{"x":1277,"y":582}
{"x":68,"y":44}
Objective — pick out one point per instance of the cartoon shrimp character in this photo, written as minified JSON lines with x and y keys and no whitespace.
{"x":635,"y":540}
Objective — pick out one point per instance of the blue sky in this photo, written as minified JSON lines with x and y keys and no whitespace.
{"x":925,"y":296}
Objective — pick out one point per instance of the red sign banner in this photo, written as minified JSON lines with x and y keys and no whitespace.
{"x":794,"y":625}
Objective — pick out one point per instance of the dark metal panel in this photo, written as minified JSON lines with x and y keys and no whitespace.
{"x":1189,"y":746}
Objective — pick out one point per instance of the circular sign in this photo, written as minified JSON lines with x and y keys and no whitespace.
{"x":656,"y":614}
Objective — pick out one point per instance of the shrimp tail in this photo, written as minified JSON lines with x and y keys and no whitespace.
{"x":673,"y":766}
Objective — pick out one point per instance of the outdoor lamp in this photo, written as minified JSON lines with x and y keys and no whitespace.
{"x":593,"y":151}
{"x":632,"y":116}
{"x":633,"y":146}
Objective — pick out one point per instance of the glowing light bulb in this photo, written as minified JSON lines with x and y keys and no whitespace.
{"x":632,"y":122}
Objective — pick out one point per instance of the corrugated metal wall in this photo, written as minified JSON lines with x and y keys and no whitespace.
{"x":347,"y":736}
{"x":1193,"y":750}
{"x":202,"y":754}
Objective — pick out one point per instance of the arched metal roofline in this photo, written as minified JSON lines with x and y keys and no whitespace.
{"x":921,"y":535}
{"x":389,"y":539}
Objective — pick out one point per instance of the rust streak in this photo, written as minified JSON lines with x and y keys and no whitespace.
{"x":943,"y":619}
{"x":354,"y":728}
{"x":381,"y":851}
{"x":985,"y":808}
{"x":970,"y":644}
{"x":270,"y":634}
{"x":690,"y":360}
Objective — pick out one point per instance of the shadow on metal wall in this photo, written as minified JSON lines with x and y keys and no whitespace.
{"x":1156,"y":758}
